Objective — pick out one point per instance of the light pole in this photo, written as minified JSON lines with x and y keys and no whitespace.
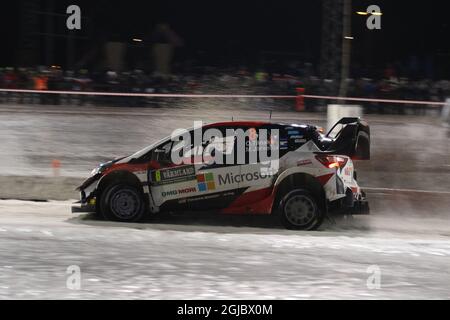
{"x":346,"y":47}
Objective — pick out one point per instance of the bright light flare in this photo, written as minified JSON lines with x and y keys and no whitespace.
{"x":332,"y":161}
{"x":364,"y":13}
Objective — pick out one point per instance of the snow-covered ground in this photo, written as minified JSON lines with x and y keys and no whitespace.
{"x":210,"y":257}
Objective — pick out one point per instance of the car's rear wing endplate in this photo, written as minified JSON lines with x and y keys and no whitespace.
{"x":353,"y":140}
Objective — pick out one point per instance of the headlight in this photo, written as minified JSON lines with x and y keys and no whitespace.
{"x":102,"y":167}
{"x":95,"y":171}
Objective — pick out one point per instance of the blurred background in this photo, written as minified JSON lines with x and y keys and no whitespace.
{"x":215,"y":47}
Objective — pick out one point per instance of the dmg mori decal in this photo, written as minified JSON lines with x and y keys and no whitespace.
{"x":178,"y":191}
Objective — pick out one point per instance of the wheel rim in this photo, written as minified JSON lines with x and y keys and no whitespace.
{"x":300,"y":210}
{"x":125,"y":204}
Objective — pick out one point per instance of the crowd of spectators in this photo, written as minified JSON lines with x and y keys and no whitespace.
{"x":206,"y":80}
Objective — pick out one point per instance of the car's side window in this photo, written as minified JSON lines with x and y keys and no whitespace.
{"x":202,"y":151}
{"x":251,"y":146}
{"x":162,"y":153}
{"x":259,"y":141}
{"x":189,"y":153}
{"x":220,"y":150}
{"x":291,"y":139}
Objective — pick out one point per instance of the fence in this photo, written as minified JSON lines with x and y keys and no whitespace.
{"x":299,"y":101}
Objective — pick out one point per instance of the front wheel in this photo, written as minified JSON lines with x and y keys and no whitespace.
{"x":123,"y":203}
{"x":299,"y":211}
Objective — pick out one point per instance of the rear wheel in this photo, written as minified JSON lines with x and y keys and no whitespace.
{"x":121,"y":202}
{"x":299,"y":211}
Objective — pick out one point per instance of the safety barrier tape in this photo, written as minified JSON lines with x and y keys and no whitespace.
{"x":373,"y":189}
{"x":433,"y":103}
{"x":235,"y":96}
{"x":156,"y":95}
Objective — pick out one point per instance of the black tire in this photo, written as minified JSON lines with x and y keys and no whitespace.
{"x":122,"y":202}
{"x":298,"y":210}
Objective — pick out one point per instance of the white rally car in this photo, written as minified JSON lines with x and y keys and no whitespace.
{"x":314,"y":174}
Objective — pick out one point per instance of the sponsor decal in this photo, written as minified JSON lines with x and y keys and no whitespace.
{"x":348,"y":171}
{"x":293,"y":132}
{"x":207,"y":197}
{"x":178,"y":192}
{"x":230,"y":178}
{"x":172,"y":175}
{"x":303,"y":162}
{"x":296,"y":137}
{"x":205,"y":181}
{"x":261,"y":145}
{"x":299,"y":140}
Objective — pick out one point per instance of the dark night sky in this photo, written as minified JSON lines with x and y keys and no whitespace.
{"x":244,"y":28}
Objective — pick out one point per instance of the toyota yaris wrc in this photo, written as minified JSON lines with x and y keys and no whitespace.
{"x":292,"y":170}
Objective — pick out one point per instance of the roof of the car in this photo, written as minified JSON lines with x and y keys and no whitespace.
{"x":238,"y":124}
{"x":254,"y":124}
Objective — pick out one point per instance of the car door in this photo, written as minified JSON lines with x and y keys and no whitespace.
{"x":169,"y":181}
{"x":217,"y":184}
{"x":257,"y":174}
{"x":195,"y":184}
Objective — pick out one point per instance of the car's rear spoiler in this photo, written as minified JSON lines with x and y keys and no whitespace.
{"x":353,"y":139}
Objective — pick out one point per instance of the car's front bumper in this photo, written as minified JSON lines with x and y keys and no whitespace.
{"x":80,"y":207}
{"x":87,"y":195}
